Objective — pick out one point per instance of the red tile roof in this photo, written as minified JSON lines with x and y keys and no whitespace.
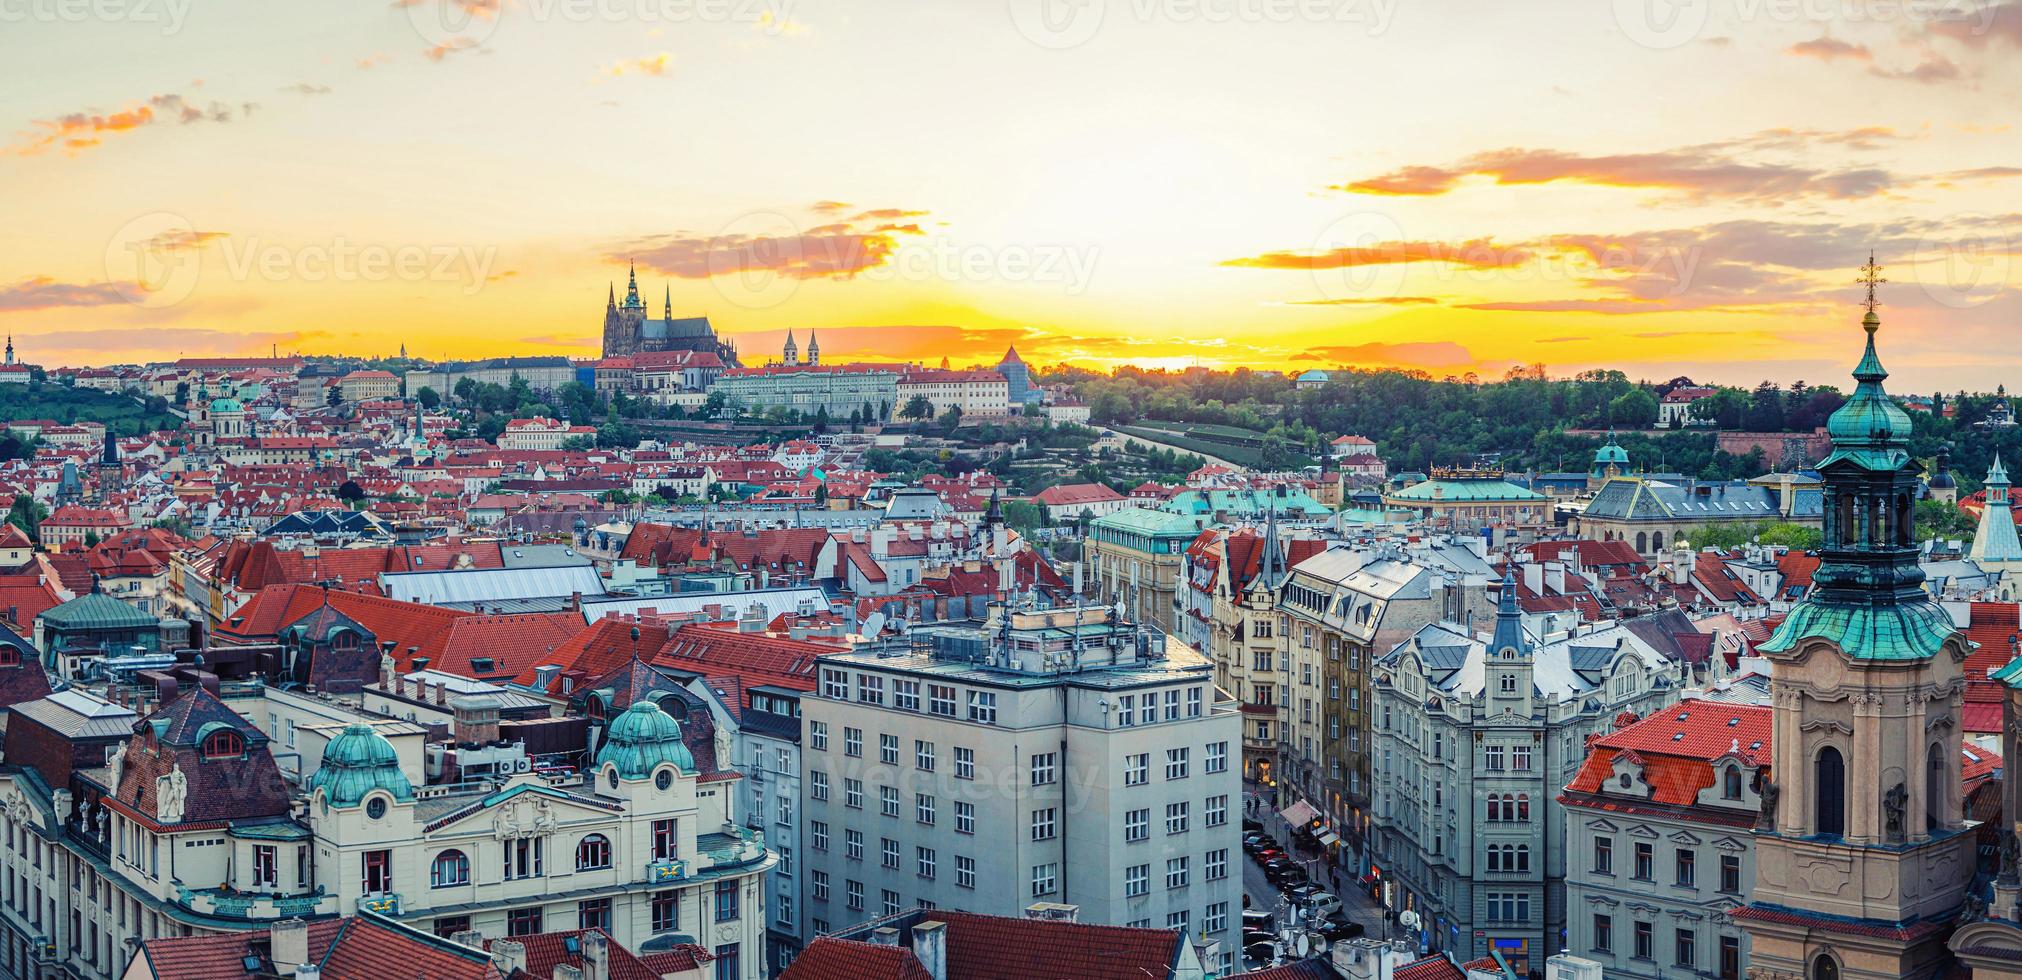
{"x":992,"y":947}
{"x":1069,"y":494}
{"x":547,"y":950}
{"x":1677,"y":747}
{"x":1430,"y":968}
{"x":829,"y":958}
{"x":220,"y":956}
{"x":368,"y":949}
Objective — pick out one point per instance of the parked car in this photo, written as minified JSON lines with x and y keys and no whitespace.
{"x":1322,"y":904}
{"x":1303,"y":894}
{"x":1260,"y":952}
{"x":1253,"y":825}
{"x":1267,"y":854}
{"x":1335,"y":930}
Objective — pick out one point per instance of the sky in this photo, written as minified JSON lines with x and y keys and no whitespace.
{"x":1663,"y":187}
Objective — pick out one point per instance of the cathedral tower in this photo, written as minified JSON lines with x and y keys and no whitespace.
{"x":1862,"y":854}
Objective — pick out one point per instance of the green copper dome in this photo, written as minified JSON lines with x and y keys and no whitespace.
{"x":1870,"y":428}
{"x":356,"y":762}
{"x":641,"y":740}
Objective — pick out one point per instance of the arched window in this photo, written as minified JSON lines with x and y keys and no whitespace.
{"x":1934,"y":787}
{"x":1829,"y":789}
{"x":344,"y":640}
{"x":1731,"y":783}
{"x":593,"y":853}
{"x":1642,"y":541}
{"x":224,"y":745}
{"x":1824,"y":967}
{"x":1523,"y":807}
{"x":1657,"y":541}
{"x":594,"y":708}
{"x":1523,"y":857}
{"x":449,"y":868}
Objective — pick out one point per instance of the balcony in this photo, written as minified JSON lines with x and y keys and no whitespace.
{"x":257,"y":906}
{"x":735,"y":846}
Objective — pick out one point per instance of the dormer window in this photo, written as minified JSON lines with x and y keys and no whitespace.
{"x":10,"y":656}
{"x":1731,"y":783}
{"x":224,"y":745}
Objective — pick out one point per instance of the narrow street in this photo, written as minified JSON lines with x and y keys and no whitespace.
{"x":1261,"y":895}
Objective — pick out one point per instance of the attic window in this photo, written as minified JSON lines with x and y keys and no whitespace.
{"x":10,"y":656}
{"x":1754,"y":746}
{"x":481,"y":665}
{"x":224,"y":745}
{"x":1680,"y":737}
{"x":1731,"y":722}
{"x":1683,"y":715}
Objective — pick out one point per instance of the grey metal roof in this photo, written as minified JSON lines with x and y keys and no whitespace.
{"x":77,"y":714}
{"x":489,"y":584}
{"x":771,"y":602}
{"x":541,"y":556}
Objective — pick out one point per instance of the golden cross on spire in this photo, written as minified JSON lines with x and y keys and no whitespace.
{"x":1871,"y":276}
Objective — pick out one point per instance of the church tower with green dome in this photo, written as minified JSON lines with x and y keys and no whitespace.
{"x":641,"y":740}
{"x":358,"y":762}
{"x":1862,"y":853}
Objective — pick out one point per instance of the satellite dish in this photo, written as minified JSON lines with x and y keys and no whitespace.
{"x":1285,"y":936}
{"x":1305,"y":946}
{"x":873,"y":624}
{"x":1408,"y":919}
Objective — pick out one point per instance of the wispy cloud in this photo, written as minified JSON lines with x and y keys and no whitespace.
{"x":837,"y":250}
{"x":1370,"y":301}
{"x":44,"y":293}
{"x":1480,"y":253}
{"x":76,"y":132}
{"x":306,"y":88}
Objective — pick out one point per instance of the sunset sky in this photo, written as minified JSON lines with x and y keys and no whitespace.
{"x":1663,"y":187}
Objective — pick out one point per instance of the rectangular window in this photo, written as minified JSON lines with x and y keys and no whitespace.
{"x":1217,"y":758}
{"x":1491,"y":757}
{"x":523,"y":857}
{"x":1685,"y":948}
{"x":378,"y":871}
{"x":727,"y":967}
{"x":888,"y":852}
{"x":853,"y":793}
{"x":965,"y":817}
{"x":905,"y":695}
{"x":266,"y":867}
{"x":726,"y":900}
{"x":1147,"y":710}
{"x":1137,"y":880}
{"x":1176,"y":818}
{"x":1604,"y":856}
{"x":1136,"y":825}
{"x":983,"y":707}
{"x":1044,"y":879}
{"x":1215,"y":865}
{"x":965,"y":763}
{"x":594,"y":913}
{"x":1172,"y":705}
{"x":941,"y":700}
{"x":870,"y":689}
{"x":853,"y":895}
{"x":1687,"y":866}
{"x":1730,"y":958}
{"x":853,"y":742}
{"x":819,"y":885}
{"x":1176,"y":763}
{"x":817,"y":785}
{"x":1604,"y":933}
{"x":888,"y":800}
{"x":817,"y":834}
{"x":927,"y":862}
{"x":817,"y":735}
{"x":923,"y":756}
{"x":1126,"y":706}
{"x":1646,"y":862}
{"x":890,"y":901}
{"x":1643,"y":930}
{"x":1176,"y":872}
{"x":835,"y":683}
{"x":1730,"y":873}
{"x":1193,"y":702}
{"x":1137,"y":769}
{"x":1216,"y":812}
{"x":965,"y":872}
{"x":445,"y":927}
{"x":523,"y":922}
{"x":1044,"y":823}
{"x":853,"y":844}
{"x":1043,"y":768}
{"x":888,"y":749}
{"x":1520,"y":758}
{"x":923,"y":808}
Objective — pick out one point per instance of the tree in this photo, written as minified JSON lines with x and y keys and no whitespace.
{"x":27,"y":514}
{"x":1024,"y":516}
{"x":350,"y":492}
{"x":1937,"y":519}
{"x":428,"y":398}
{"x":952,"y":418}
{"x":336,"y":396}
{"x":91,"y":539}
{"x":1634,"y":409}
{"x":917,"y":407}
{"x":182,"y":392}
{"x":466,"y":390}
{"x":821,"y":495}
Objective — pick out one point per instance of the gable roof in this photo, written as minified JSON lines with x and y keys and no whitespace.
{"x":830,"y":958}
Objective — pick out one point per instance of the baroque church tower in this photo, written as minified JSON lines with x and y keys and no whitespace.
{"x":1863,"y":857}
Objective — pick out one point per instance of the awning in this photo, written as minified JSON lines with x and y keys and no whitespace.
{"x":1330,"y":838}
{"x":1298,"y":813}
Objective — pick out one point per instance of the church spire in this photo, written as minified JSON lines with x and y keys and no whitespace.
{"x":670,"y":301}
{"x":611,"y":303}
{"x":632,"y":301}
{"x":1508,"y":638}
{"x":813,"y":348}
{"x":791,"y":353}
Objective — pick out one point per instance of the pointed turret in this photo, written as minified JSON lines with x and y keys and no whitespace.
{"x":1271,"y":564}
{"x":813,"y":348}
{"x":632,"y":301}
{"x":670,"y":301}
{"x":611,"y":302}
{"x":1996,"y":540}
{"x":791,"y":354}
{"x":1509,"y":638}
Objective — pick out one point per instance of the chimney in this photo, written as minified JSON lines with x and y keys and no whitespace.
{"x":289,"y":942}
{"x":441,"y":692}
{"x":564,"y":971}
{"x":1534,"y":576}
{"x":469,"y":937}
{"x":508,"y":956}
{"x":308,"y":971}
{"x":596,"y":955}
{"x":885,"y":936}
{"x":476,"y":721}
{"x":930,"y":947}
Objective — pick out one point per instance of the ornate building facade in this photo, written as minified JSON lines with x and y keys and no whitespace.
{"x":628,"y":331}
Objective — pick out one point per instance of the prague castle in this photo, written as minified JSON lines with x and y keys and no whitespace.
{"x":627,"y":331}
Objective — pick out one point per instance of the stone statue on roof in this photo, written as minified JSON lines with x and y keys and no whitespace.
{"x":171,"y":793}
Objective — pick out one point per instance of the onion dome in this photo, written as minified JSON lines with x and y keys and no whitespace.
{"x":1870,"y":429}
{"x":357,"y":762}
{"x":641,"y":740}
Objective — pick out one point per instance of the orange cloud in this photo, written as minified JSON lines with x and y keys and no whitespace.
{"x":1830,"y":49}
{"x":43,"y":293}
{"x":1708,"y":170}
{"x":1480,"y":253}
{"x":838,"y":250}
{"x":79,"y":131}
